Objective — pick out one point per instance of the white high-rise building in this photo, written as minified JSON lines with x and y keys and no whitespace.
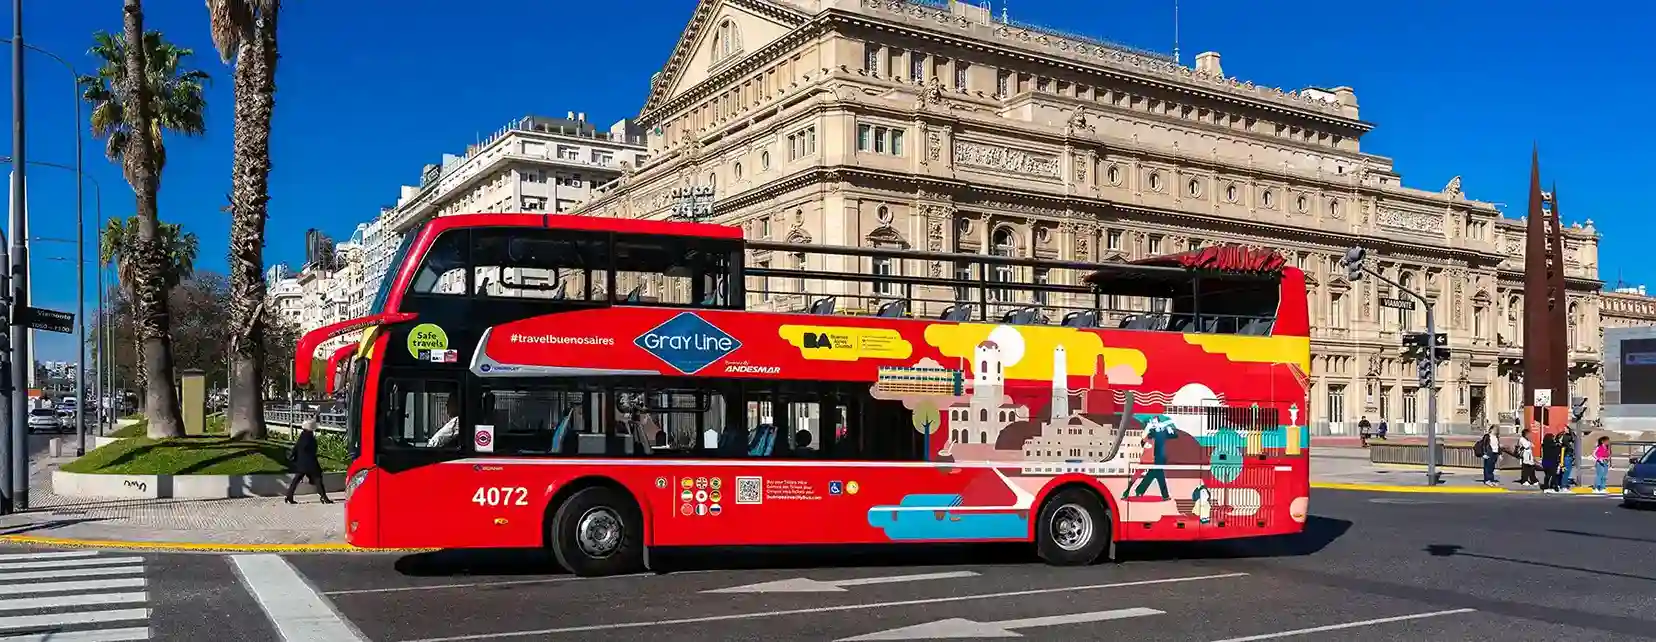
{"x":534,"y":164}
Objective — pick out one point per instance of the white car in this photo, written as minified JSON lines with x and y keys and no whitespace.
{"x":44,"y":419}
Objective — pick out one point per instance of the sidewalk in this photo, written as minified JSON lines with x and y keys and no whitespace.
{"x":266,"y":524}
{"x":257,"y":523}
{"x":1348,"y":468}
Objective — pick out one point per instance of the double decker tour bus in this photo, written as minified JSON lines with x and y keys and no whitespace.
{"x":607,"y":387}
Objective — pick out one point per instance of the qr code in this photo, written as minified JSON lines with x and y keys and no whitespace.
{"x":750,"y":490}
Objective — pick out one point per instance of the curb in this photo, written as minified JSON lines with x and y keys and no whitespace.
{"x":205,"y":547}
{"x":1445,"y":490}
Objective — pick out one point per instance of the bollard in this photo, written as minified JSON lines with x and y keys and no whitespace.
{"x":56,"y":447}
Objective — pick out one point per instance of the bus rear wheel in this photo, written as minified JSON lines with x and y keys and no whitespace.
{"x":598,"y":531}
{"x":1074,"y":528}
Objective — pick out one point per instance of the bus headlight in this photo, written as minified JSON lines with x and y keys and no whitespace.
{"x":355,"y":481}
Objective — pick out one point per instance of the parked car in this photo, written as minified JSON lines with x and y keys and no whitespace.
{"x":44,"y":419}
{"x":1639,"y":485}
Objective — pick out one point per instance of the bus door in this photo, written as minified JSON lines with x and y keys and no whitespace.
{"x":1241,"y":477}
{"x":421,"y":422}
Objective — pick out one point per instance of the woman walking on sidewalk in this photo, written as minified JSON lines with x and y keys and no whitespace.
{"x":1601,"y":465}
{"x":302,"y":459}
{"x":1525,"y":452}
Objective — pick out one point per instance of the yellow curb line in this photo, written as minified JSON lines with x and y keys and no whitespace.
{"x":1448,"y":490}
{"x":201,"y":547}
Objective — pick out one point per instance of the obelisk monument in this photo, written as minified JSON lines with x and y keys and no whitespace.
{"x":1546,"y":352}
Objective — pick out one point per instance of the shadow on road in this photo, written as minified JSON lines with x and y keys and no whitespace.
{"x":1452,"y":550}
{"x":1319,"y":533}
{"x":37,"y":527}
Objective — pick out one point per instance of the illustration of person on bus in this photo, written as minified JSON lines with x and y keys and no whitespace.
{"x":1157,"y":433}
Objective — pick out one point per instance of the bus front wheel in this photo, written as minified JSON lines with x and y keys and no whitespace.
{"x":1074,"y":528}
{"x":598,"y":531}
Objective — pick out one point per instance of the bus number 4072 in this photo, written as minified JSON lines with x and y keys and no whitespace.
{"x":501,"y":496}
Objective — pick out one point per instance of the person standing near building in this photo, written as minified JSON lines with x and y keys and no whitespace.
{"x":1601,"y":465}
{"x":1550,"y":455}
{"x":1567,"y":462}
{"x":1525,"y":452}
{"x":1489,"y":449}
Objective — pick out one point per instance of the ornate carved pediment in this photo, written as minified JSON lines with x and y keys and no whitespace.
{"x":1006,"y":159}
{"x":1410,"y":221}
{"x":1482,"y":298}
{"x":886,"y":235}
{"x":799,"y":235}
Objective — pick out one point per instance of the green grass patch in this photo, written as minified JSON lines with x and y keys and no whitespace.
{"x":190,"y":456}
{"x":134,"y":430}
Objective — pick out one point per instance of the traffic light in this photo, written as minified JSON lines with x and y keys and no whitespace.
{"x":1578,"y":408}
{"x":1425,"y":372}
{"x":1353,"y":263}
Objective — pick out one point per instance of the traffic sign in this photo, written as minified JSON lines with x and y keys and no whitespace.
{"x":1543,"y":397}
{"x":48,"y":320}
{"x":1401,"y":304}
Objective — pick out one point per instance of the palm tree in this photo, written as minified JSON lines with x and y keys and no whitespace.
{"x":139,"y":91}
{"x":244,"y":31}
{"x":120,"y":243}
{"x":177,"y":95}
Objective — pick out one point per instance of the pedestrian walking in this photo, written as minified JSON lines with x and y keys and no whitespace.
{"x":1488,"y":449}
{"x":1601,"y":465}
{"x":1550,"y":454}
{"x":1525,"y":452}
{"x":304,"y":464}
{"x":1566,"y":469}
{"x":1364,"y":429}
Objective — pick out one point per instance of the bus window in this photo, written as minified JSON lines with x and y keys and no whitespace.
{"x":424,"y":414}
{"x":443,"y":270}
{"x":539,"y":264}
{"x":676,"y":271}
{"x":531,"y":421}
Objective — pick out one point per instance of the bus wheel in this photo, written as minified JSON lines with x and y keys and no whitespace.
{"x":598,"y":531}
{"x":1074,"y":528}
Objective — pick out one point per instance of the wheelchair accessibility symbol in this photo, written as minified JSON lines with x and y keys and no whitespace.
{"x":835,"y":488}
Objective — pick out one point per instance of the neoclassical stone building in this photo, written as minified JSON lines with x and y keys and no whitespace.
{"x":938,"y":126}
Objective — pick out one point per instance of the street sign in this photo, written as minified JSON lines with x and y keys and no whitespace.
{"x":1543,"y":397}
{"x":49,"y":320}
{"x":1401,"y":304}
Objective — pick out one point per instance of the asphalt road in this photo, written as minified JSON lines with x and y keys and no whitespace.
{"x":1372,"y":567}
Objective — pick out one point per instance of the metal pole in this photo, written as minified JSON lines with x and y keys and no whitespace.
{"x":22,"y":364}
{"x":1431,"y":395}
{"x":80,"y":282}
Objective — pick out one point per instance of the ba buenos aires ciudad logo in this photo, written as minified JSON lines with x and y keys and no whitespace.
{"x":688,"y":342}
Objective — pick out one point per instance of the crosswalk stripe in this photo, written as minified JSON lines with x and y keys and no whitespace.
{"x":60,"y":601}
{"x":77,"y":617}
{"x":132,"y":634}
{"x":70,"y":573}
{"x":94,"y":561}
{"x":32,"y":588}
{"x":60,"y":555}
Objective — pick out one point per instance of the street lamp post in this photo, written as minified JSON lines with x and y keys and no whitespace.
{"x":80,"y":208}
{"x":14,"y":492}
{"x":80,"y":288}
{"x":1356,"y":267}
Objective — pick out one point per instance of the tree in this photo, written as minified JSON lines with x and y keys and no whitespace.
{"x":120,"y":242}
{"x":200,"y":305}
{"x":244,"y":31}
{"x":139,"y":90}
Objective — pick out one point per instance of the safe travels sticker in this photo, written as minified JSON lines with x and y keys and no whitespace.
{"x":426,"y":337}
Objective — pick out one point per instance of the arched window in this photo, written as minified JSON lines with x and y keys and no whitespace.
{"x":983,"y":415}
{"x":1403,"y":315}
{"x":727,"y":41}
{"x":1572,"y":323}
{"x":1002,"y":243}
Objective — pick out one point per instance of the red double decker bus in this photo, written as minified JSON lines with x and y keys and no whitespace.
{"x":608,"y":387}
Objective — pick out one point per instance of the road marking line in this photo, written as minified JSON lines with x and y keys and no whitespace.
{"x":18,"y":557}
{"x":828,"y":609}
{"x":71,"y":572}
{"x":33,"y":588}
{"x":76,"y":617}
{"x":94,"y":561}
{"x":132,"y":634}
{"x":1347,"y":625}
{"x":297,"y":611}
{"x":59,"y":601}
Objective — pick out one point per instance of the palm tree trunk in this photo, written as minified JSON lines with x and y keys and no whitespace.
{"x":149,"y":286}
{"x":255,"y":87}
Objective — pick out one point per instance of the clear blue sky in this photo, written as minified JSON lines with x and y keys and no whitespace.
{"x":371,"y":90}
